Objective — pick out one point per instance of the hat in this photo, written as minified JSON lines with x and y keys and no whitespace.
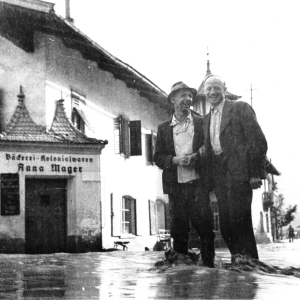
{"x":179,"y":86}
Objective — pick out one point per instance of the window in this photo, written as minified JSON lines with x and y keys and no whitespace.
{"x":215,"y":210}
{"x":150,"y":148}
{"x":267,"y":222}
{"x":123,"y":215}
{"x":152,"y":217}
{"x":128,"y":215}
{"x":128,"y":137}
{"x":261,"y":221}
{"x":157,"y":216}
{"x":77,"y":121}
{"x":78,"y":117}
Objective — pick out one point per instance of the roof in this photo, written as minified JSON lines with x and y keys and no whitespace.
{"x":200,"y":92}
{"x":21,"y":128}
{"x":19,"y":19}
{"x":270,"y":168}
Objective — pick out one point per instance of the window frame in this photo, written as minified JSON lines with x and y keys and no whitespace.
{"x":77,"y":101}
{"x":132,"y":224}
{"x":127,"y":137}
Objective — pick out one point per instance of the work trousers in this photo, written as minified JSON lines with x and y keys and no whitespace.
{"x":189,"y":203}
{"x":234,"y":202}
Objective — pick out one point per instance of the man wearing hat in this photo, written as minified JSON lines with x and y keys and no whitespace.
{"x":177,"y":154}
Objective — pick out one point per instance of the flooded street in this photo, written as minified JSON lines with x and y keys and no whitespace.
{"x":122,"y":274}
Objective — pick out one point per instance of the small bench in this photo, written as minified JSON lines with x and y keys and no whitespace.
{"x":164,"y":237}
{"x":121,"y":243}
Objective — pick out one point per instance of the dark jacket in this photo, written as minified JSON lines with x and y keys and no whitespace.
{"x":165,"y":150}
{"x":242,"y":141}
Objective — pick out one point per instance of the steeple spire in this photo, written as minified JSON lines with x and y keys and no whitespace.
{"x":21,"y":95}
{"x":208,"y":72}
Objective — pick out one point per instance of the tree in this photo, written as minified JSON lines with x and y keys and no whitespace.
{"x":287,"y":216}
{"x":284,"y":216}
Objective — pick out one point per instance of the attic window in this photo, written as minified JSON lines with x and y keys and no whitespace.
{"x":78,"y":117}
{"x":77,"y":121}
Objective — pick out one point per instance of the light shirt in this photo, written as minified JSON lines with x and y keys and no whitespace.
{"x":183,"y":135}
{"x":215,"y":124}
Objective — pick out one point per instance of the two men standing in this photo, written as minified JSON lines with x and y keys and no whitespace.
{"x":232,"y":161}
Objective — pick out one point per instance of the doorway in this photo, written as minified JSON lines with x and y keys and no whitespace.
{"x":45,"y":215}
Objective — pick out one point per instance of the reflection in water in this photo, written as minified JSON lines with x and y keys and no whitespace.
{"x":203,"y":283}
{"x":122,"y":274}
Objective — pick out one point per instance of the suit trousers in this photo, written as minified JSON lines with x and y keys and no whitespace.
{"x":189,"y":203}
{"x":234,"y":202}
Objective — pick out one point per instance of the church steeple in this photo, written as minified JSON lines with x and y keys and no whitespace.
{"x":208,"y":72}
{"x":200,"y":104}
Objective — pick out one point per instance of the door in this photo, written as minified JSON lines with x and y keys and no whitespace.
{"x":45,"y":213}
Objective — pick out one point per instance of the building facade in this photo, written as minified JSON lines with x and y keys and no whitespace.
{"x":77,"y":147}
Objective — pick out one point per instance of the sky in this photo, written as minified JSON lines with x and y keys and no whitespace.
{"x":253,"y":42}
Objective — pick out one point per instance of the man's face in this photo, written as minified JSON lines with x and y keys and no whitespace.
{"x":182,"y":100}
{"x":214,"y":90}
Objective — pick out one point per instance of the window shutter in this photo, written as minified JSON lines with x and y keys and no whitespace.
{"x":117,"y":135}
{"x":149,"y":152}
{"x":135,"y":138}
{"x":133,"y":217}
{"x":154,"y":138}
{"x":152,"y":217}
{"x":115,"y":203}
{"x":124,"y":139}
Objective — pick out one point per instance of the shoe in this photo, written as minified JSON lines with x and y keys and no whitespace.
{"x":171,"y":255}
{"x":239,"y":259}
{"x":183,"y":259}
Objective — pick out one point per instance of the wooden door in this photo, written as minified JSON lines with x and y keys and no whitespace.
{"x":45,"y":213}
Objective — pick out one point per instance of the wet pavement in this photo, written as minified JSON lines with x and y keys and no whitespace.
{"x":130,"y":275}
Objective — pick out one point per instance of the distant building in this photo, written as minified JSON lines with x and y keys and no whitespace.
{"x":76,"y":142}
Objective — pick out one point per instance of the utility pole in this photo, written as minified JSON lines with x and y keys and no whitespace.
{"x":251,"y":89}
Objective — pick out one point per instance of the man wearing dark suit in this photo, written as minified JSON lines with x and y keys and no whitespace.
{"x":177,"y":154}
{"x":236,"y":148}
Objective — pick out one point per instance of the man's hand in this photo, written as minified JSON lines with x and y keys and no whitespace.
{"x":181,"y":160}
{"x":203,"y":151}
{"x":255,"y":182}
{"x":184,"y":160}
{"x":192,"y":158}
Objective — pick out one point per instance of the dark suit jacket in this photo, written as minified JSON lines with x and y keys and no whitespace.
{"x":242,"y":140}
{"x":165,"y":150}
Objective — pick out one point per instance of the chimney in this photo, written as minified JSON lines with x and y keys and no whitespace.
{"x":68,"y":11}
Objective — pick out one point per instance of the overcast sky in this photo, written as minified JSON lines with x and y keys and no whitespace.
{"x":250,"y":42}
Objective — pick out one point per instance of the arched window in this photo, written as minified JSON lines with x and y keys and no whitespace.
{"x":267,"y":222}
{"x":261,"y":223}
{"x":160,"y":214}
{"x":78,"y":121}
{"x":157,"y":216}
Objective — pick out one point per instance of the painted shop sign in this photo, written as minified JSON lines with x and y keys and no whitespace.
{"x":67,"y":164}
{"x":10,"y":199}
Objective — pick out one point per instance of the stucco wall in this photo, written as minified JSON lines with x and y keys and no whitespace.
{"x":18,"y":67}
